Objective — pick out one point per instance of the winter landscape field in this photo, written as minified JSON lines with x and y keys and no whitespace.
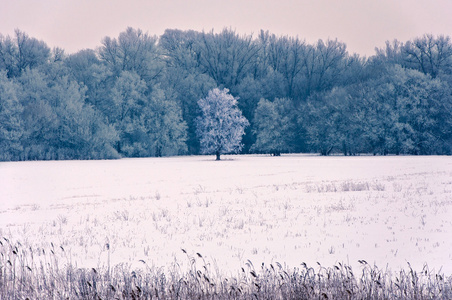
{"x":247,"y":212}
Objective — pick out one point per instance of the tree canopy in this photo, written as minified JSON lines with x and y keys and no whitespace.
{"x":142,"y":95}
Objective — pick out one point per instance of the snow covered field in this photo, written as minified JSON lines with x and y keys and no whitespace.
{"x":289,"y":209}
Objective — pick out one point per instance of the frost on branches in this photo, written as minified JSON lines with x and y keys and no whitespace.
{"x":221,"y":124}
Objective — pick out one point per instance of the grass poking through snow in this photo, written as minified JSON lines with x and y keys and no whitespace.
{"x":29,"y":273}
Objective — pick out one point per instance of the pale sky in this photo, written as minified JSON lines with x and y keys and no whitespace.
{"x":361,"y":24}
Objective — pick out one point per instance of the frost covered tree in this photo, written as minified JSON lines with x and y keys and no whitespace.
{"x":57,"y":123}
{"x":11,"y":129}
{"x":275,"y":126}
{"x":133,"y":51}
{"x":221,"y":124}
{"x":166,"y":129}
{"x":22,"y":52}
{"x":126,"y":113}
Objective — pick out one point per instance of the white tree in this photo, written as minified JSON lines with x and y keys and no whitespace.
{"x":221,"y":124}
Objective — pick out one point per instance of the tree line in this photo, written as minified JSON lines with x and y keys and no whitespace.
{"x":136,"y":95}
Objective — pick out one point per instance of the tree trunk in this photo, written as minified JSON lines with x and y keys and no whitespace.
{"x":218,"y":155}
{"x":118,"y":147}
{"x":329,"y":150}
{"x":326,"y":152}
{"x":344,"y":148}
{"x":158,"y":151}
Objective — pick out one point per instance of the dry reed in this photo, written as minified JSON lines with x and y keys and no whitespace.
{"x":28,"y":273}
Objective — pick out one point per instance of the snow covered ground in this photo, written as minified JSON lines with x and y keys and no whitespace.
{"x":290,"y":209}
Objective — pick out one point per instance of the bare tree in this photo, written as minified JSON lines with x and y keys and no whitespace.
{"x":323,"y":64}
{"x":285,"y":55}
{"x":22,"y":52}
{"x":133,"y":51}
{"x":429,"y":54}
{"x":227,"y":57}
